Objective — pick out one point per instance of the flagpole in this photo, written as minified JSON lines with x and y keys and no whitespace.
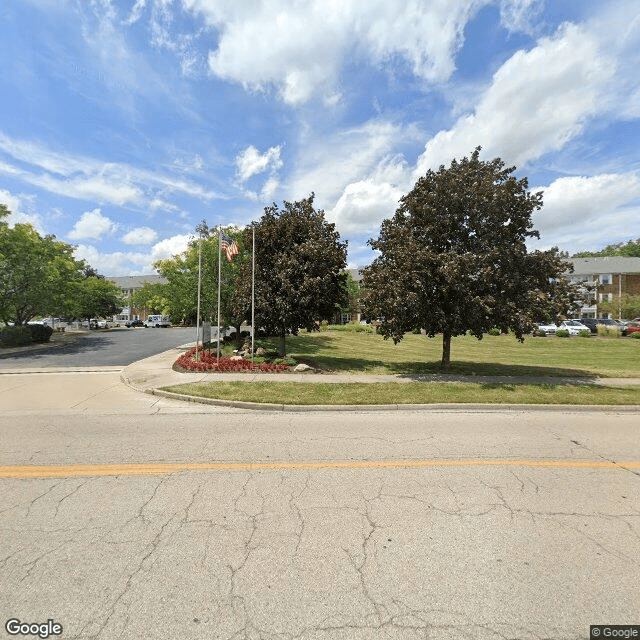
{"x":198,"y":311}
{"x":219,"y":280}
{"x":253,"y":294}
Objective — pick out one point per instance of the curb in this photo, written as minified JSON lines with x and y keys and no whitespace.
{"x":451,"y":407}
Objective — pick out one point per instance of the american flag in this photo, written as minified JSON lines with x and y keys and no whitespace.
{"x":229,"y":246}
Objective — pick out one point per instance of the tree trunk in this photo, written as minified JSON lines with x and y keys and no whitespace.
{"x":281,"y":346}
{"x":446,"y":351}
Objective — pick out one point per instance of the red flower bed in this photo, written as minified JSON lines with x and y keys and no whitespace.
{"x":208,"y":362}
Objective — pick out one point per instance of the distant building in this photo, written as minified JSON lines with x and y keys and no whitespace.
{"x":354,"y":312}
{"x":611,"y":277}
{"x":129,"y":285}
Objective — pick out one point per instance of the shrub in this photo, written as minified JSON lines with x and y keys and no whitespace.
{"x":636,"y":334}
{"x":416,"y":331}
{"x":540,"y":334}
{"x":364,"y":328}
{"x":324,"y":325}
{"x":494,"y":331}
{"x":15,"y":336}
{"x":608,"y":331}
{"x":562,"y":333}
{"x":288,"y":361}
{"x":40,"y":332}
{"x":584,"y":333}
{"x":209,"y":362}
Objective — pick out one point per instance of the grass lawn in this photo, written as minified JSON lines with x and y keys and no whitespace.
{"x":407,"y":393}
{"x":346,"y":351}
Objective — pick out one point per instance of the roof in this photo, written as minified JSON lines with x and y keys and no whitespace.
{"x":136,"y":282}
{"x":605,"y":264}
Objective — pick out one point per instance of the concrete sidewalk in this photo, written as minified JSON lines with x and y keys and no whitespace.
{"x":151,"y":373}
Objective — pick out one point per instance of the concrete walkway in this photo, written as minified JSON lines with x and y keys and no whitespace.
{"x":156,"y":371}
{"x":150,"y":374}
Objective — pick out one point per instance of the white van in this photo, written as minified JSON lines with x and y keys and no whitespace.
{"x":157,"y":321}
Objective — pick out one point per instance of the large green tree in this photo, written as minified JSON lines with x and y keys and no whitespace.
{"x":299,"y":278}
{"x":95,"y":297}
{"x":152,"y":297}
{"x":453,"y":258}
{"x":37,"y":274}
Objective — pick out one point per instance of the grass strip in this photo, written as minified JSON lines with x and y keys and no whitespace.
{"x":355,"y":393}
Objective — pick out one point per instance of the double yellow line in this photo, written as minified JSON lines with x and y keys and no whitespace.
{"x":167,"y":468}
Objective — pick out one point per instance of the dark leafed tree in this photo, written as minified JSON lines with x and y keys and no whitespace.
{"x":453,"y":258}
{"x":299,"y":278}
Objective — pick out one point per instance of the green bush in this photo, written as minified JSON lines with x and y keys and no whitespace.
{"x":494,"y":332}
{"x":562,"y":333}
{"x":635,"y":334}
{"x":15,"y":336}
{"x":584,"y":333}
{"x":26,"y":334}
{"x":608,"y":331}
{"x":288,"y":361}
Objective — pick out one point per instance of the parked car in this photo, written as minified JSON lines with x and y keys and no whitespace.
{"x":593,"y":323}
{"x":134,"y":323}
{"x":573,"y":327}
{"x":546,"y":327}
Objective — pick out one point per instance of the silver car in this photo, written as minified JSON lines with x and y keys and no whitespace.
{"x":546,"y":327}
{"x":573,"y":327}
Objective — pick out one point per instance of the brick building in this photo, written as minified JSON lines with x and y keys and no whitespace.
{"x":129,"y":285}
{"x":611,"y":277}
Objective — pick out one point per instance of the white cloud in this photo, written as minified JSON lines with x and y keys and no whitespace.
{"x":364,"y":204}
{"x":251,"y":162}
{"x":299,"y":47}
{"x":15,"y":205}
{"x":170,"y":247}
{"x":92,"y":224}
{"x":119,"y":263}
{"x":538,"y":100}
{"x":86,"y":178}
{"x":140,"y":235}
{"x":269,"y":189}
{"x":330,"y":163}
{"x":579,"y":211}
{"x":517,"y":15}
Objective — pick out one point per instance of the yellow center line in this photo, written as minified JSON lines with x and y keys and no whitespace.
{"x":165,"y":468}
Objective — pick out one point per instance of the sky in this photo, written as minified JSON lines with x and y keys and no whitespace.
{"x":124,"y":123}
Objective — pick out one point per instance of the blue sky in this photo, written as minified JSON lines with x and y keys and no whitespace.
{"x":125,"y":122}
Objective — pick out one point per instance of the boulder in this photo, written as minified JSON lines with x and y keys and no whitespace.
{"x":302,"y":368}
{"x":260,"y":351}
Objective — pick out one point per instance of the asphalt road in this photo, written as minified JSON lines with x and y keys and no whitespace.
{"x":160,"y":520}
{"x":115,"y":347}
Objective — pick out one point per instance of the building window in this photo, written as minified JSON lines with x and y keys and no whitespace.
{"x":606,"y":297}
{"x":605,"y":278}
